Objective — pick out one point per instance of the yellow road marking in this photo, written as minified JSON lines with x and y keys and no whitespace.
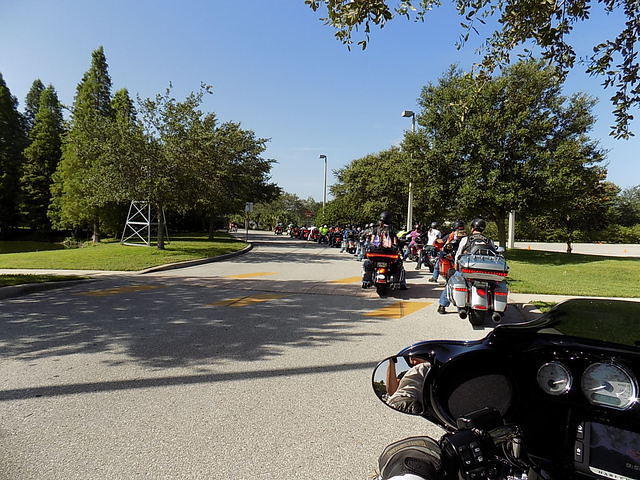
{"x":249,"y":275}
{"x":118,"y":290}
{"x":244,"y":301}
{"x":357,"y":279}
{"x":398,"y":309}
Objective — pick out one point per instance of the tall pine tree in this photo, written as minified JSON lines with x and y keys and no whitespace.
{"x":12,"y":142}
{"x":77,"y":196}
{"x":32,"y":103}
{"x":41,"y":159}
{"x":123,"y":107}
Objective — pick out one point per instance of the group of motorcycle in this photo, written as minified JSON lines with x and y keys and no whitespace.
{"x":508,"y":403}
{"x":480,"y":291}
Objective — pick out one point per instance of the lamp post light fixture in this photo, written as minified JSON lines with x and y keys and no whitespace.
{"x":324,"y":191}
{"x":410,"y":114}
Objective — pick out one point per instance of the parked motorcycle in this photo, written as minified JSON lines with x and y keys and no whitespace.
{"x":445,"y":261}
{"x":416,"y":248}
{"x":277,"y":230}
{"x":337,"y":239}
{"x":351,"y":244}
{"x":384,"y":262}
{"x":552,"y":399}
{"x":481,"y":290}
{"x":429,"y":257}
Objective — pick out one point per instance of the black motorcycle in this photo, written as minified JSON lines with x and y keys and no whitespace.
{"x":552,"y":399}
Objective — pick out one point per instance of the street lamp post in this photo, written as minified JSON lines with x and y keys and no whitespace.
{"x":324,"y":194}
{"x":407,"y":114}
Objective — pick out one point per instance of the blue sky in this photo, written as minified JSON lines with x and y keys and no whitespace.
{"x":274,"y":67}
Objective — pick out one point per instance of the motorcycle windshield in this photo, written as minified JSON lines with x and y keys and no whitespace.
{"x":613,"y":321}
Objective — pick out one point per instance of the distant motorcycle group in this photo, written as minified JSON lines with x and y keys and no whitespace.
{"x":473,"y":269}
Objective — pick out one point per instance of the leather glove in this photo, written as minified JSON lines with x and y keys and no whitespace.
{"x":412,"y":456}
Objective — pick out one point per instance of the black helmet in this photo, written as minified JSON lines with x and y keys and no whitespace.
{"x":458,"y":224}
{"x":385,"y":217}
{"x":478,"y":225}
{"x":434,"y":224}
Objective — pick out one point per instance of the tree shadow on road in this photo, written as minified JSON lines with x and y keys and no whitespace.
{"x":106,"y":386}
{"x":175,"y":322}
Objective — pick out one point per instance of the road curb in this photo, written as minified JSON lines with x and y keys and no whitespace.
{"x":193,"y":263}
{"x":27,"y":288}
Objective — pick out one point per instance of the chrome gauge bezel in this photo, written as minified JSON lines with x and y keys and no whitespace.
{"x":567,"y":374}
{"x":631,"y":378}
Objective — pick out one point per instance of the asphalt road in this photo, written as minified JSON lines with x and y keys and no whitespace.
{"x":256,"y":367}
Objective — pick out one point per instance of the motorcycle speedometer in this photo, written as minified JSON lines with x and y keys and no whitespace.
{"x":554,"y":378}
{"x":609,"y":385}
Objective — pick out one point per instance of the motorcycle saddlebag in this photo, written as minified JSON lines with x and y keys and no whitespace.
{"x":483,"y":267}
{"x":458,"y":291}
{"x":500,"y":294}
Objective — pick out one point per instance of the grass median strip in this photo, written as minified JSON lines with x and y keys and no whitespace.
{"x":11,"y":279}
{"x":111,"y":255}
{"x":556,"y":273}
{"x":398,"y":309}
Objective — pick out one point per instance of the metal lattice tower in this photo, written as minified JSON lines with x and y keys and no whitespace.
{"x":140,"y":228}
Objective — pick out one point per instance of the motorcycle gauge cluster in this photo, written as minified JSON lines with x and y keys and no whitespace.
{"x":609,"y":385}
{"x":554,"y":378}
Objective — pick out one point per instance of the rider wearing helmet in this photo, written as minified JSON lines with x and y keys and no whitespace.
{"x":478,"y":226}
{"x":383,"y":236}
{"x":466,"y":244}
{"x":433,"y":233}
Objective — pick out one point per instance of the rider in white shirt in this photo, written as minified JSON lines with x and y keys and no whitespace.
{"x":433,"y":233}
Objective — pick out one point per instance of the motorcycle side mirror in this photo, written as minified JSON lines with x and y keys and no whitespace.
{"x":398,"y":383}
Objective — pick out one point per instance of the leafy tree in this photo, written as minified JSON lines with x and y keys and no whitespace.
{"x":546,"y":24}
{"x":235,"y":173}
{"x":12,"y":142}
{"x":578,"y":195}
{"x":41,"y":159}
{"x":32,"y":103}
{"x":286,"y":208}
{"x":123,"y":107}
{"x":164,"y":157}
{"x":369,"y":185}
{"x":485,"y":145}
{"x":77,"y":196}
{"x":626,"y":207}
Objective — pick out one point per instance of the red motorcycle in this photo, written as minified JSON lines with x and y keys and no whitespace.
{"x":446,"y":261}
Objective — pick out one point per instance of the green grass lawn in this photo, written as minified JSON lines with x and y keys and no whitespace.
{"x":111,"y":255}
{"x":7,"y":280}
{"x":544,"y":307}
{"x":534,"y":271}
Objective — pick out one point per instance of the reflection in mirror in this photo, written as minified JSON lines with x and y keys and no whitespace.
{"x":398,"y":382}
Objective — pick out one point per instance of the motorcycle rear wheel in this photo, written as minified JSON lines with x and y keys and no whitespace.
{"x":476,"y":318}
{"x":381,"y":289}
